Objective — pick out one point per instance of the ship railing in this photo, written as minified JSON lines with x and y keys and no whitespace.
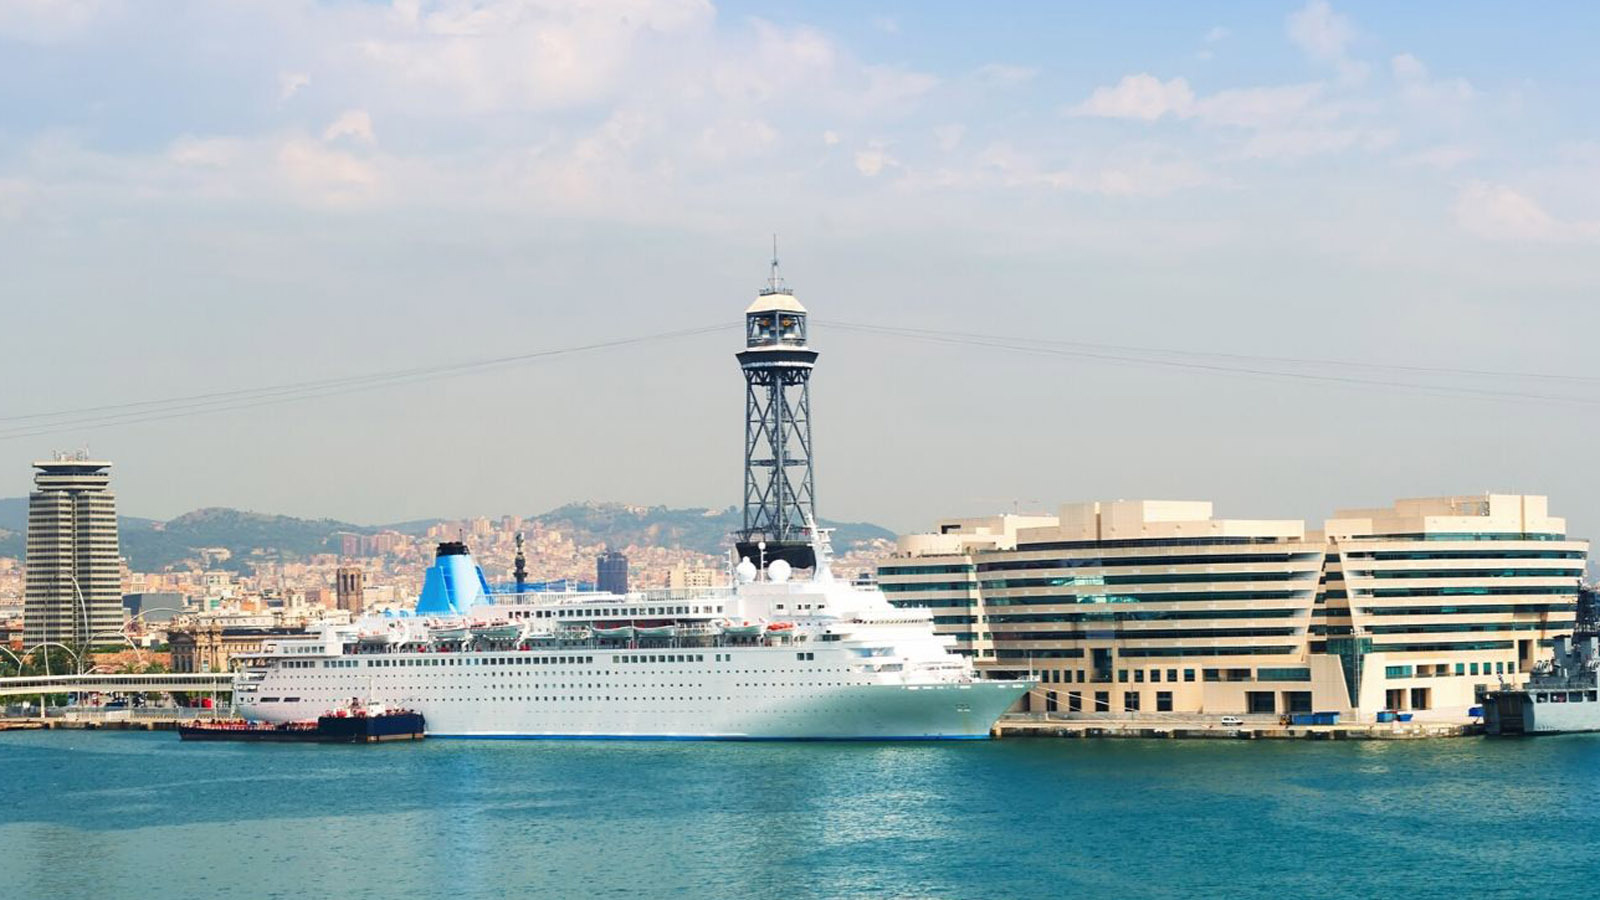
{"x":662,"y":595}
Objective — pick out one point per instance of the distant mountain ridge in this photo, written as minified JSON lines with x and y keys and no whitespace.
{"x":151,"y":545}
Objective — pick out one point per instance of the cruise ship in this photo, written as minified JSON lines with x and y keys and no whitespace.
{"x":774,"y":657}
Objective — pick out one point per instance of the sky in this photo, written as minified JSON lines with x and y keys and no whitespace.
{"x":1298,"y":215}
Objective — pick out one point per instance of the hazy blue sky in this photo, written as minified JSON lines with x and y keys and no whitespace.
{"x":208,"y":196}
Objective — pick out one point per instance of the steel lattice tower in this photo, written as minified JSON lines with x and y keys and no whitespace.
{"x":779,"y":486}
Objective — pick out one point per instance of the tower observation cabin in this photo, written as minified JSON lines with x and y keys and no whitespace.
{"x":779,"y":486}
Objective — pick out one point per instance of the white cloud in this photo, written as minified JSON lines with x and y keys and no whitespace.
{"x":886,"y":24}
{"x":1217,"y":33}
{"x":1003,"y":75}
{"x":1146,"y":97}
{"x":949,"y":136}
{"x":211,"y":153}
{"x":1445,"y":156}
{"x":326,"y":176}
{"x":1500,"y":213}
{"x":1141,"y":96}
{"x":830,"y":137}
{"x":874,"y":159}
{"x":1300,"y":143}
{"x":1323,"y":34}
{"x":889,"y":86}
{"x":1002,"y":165}
{"x":730,"y":139}
{"x":1132,"y":179}
{"x":291,"y":83}
{"x":1257,"y":107}
{"x":52,"y":21}
{"x":1417,"y":86}
{"x":510,"y":54}
{"x":353,"y":123}
{"x":1408,"y":68}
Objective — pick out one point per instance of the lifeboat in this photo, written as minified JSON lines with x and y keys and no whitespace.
{"x":621,"y":632}
{"x":450,"y":634}
{"x":659,"y":631}
{"x":498,"y":632}
{"x":780,"y":627}
{"x":748,"y":629}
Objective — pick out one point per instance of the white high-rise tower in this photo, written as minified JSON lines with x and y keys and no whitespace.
{"x":74,"y":575}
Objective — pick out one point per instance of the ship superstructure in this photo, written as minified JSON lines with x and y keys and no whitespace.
{"x":773,"y":657}
{"x":1562,"y":694}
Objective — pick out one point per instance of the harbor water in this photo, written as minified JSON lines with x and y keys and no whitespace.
{"x":129,"y":814}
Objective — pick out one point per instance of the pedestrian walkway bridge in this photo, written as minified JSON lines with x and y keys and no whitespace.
{"x":101,"y":683}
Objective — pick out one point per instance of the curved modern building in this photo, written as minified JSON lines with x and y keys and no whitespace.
{"x":1158,"y":606}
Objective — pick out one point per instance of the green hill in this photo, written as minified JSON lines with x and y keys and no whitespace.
{"x":703,"y":530}
{"x":151,"y":545}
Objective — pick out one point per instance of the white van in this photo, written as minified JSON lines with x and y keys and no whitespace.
{"x":1231,"y":721}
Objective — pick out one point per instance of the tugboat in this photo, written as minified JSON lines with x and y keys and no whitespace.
{"x":1562,"y":695}
{"x":357,"y":723}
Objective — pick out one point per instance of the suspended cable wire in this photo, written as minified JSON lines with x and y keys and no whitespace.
{"x":1101,"y":353}
{"x":39,"y":424}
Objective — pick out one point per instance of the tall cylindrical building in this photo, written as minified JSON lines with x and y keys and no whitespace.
{"x":73,"y":593}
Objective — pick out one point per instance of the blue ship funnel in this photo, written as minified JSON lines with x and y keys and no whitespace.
{"x":453,"y":584}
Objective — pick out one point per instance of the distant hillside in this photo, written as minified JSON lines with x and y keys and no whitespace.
{"x":151,"y":545}
{"x":703,"y":530}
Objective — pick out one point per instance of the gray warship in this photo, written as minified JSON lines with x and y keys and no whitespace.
{"x":1562,"y":694}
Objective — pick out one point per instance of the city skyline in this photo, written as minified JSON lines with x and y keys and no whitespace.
{"x":360,"y":188}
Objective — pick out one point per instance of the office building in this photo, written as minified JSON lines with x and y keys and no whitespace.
{"x":73,"y":588}
{"x":611,"y":573}
{"x":1157,"y":606}
{"x":1432,"y":598}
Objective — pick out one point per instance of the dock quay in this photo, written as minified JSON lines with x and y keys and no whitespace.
{"x":1023,"y":725}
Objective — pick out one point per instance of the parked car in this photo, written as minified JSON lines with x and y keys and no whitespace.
{"x":1231,"y":721}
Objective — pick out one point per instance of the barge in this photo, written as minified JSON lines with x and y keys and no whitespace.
{"x":357,"y":725}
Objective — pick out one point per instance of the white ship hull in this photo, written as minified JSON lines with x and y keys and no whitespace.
{"x":704,"y":693}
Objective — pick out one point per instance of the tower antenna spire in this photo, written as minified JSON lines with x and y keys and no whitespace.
{"x":775,"y":283}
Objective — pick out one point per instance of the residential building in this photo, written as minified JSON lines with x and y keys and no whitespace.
{"x":1158,"y":606}
{"x":686,"y":577}
{"x":73,"y":592}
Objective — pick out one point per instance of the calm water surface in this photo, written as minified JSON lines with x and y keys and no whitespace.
{"x":112,"y":815}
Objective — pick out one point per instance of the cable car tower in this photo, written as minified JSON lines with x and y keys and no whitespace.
{"x":779,"y":486}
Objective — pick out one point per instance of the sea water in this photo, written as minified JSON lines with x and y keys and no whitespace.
{"x":128,"y":814}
